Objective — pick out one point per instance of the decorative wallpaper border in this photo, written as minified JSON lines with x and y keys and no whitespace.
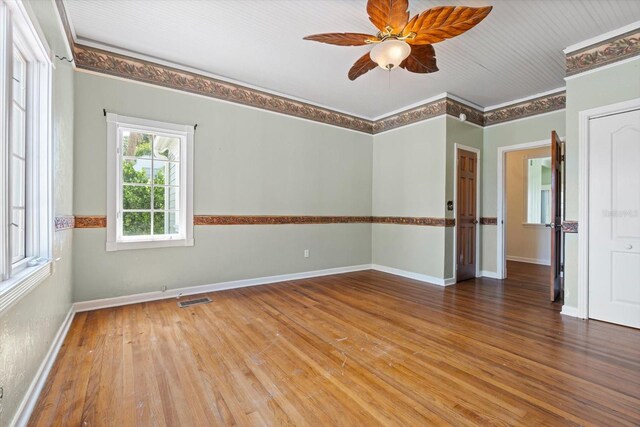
{"x":426,"y":111}
{"x":532,"y":107}
{"x":606,"y":52}
{"x":569,"y":226}
{"x":100,"y":221}
{"x":127,"y":67}
{"x":424,"y":221}
{"x":91,"y":221}
{"x":276,"y":219}
{"x":488,"y":221}
{"x":65,"y":222}
{"x":101,"y":61}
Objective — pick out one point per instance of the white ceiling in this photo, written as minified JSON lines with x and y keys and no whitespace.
{"x":515,"y":52}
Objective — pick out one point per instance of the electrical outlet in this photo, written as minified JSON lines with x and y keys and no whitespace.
{"x":306,"y":253}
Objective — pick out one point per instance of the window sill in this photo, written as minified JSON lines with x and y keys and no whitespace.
{"x":121,"y":246}
{"x":13,"y":289}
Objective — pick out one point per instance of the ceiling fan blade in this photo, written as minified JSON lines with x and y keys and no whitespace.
{"x":392,"y":13}
{"x":342,"y":39}
{"x":421,"y":60}
{"x":444,"y":22}
{"x":361,"y":66}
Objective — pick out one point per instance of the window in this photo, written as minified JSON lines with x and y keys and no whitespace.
{"x":150,"y":184}
{"x":538,"y":190}
{"x":26,"y":197}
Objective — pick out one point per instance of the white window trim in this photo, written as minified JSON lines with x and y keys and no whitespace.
{"x":17,"y":27}
{"x":114,"y":243}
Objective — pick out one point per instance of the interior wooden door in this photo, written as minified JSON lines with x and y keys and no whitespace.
{"x":466,"y":215}
{"x":556,"y":216}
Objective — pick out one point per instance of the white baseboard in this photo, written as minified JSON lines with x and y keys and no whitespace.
{"x":416,"y":276}
{"x":528,"y":260}
{"x":567,"y":310}
{"x":200,"y":289}
{"x":30,"y":399}
{"x":489,"y":274}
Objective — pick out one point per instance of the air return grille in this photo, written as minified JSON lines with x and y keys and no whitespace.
{"x":190,"y":302}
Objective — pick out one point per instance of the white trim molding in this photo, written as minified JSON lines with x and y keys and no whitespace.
{"x":567,"y":310}
{"x":489,"y":274}
{"x":601,"y":38}
{"x":19,"y":35}
{"x":415,"y":276}
{"x":17,"y":287}
{"x":583,"y":184}
{"x":116,"y":125}
{"x":538,"y":261}
{"x":21,"y":418}
{"x":524,"y":99}
{"x":214,"y":287}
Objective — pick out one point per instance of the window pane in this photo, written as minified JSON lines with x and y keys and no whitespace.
{"x":135,"y":144}
{"x":166,"y":173}
{"x":18,"y":235}
{"x":136,"y":197}
{"x":136,"y":223}
{"x":165,"y":198}
{"x":166,"y":148}
{"x":136,"y":171}
{"x":538,"y":181}
{"x":165,"y":223}
{"x":19,"y":78}
{"x":17,"y":182}
{"x":17,"y":132}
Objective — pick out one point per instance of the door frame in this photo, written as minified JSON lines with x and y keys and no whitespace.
{"x":457,"y":146}
{"x":583,"y":185}
{"x":501,"y":256}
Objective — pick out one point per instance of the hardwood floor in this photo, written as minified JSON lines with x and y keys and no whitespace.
{"x":364,"y":348}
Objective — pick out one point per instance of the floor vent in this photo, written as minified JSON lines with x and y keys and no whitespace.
{"x":190,"y":302}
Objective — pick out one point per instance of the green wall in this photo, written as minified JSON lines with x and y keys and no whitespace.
{"x":586,"y":91}
{"x":247,"y":162}
{"x":409,"y":172}
{"x":27,"y":329}
{"x":413,"y":176}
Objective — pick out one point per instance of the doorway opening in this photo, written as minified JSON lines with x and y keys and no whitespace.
{"x":529,"y":214}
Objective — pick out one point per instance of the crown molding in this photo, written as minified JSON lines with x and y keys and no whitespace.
{"x":532,"y":107}
{"x":105,"y":62}
{"x":118,"y":64}
{"x":439,"y":107}
{"x":604,"y":52}
{"x":524,"y":99}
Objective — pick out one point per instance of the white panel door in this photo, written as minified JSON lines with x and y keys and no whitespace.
{"x":614,"y":218}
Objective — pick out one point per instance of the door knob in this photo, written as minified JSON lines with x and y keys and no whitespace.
{"x":628,"y":246}
{"x":475,"y":221}
{"x":550,"y":225}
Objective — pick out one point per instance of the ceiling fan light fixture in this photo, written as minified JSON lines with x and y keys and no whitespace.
{"x":390,"y":53}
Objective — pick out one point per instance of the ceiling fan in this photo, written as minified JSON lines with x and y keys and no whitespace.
{"x":403,"y":42}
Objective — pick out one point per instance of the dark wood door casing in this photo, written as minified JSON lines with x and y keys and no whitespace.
{"x":466,"y":214}
{"x":556,"y":217}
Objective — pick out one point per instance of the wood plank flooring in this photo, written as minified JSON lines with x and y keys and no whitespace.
{"x":364,"y":348}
